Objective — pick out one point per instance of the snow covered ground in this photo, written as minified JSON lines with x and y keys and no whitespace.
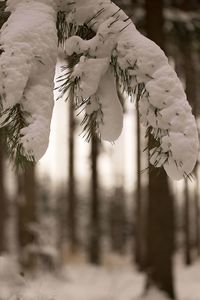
{"x":85,"y":282}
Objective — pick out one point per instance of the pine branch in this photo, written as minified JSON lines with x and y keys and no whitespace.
{"x":68,"y":89}
{"x":67,"y":84}
{"x":91,"y":124}
{"x":4,"y":15}
{"x":124,"y":78}
{"x":66,"y":30}
{"x":14,"y":121}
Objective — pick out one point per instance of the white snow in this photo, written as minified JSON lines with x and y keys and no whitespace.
{"x":163,"y":106}
{"x":112,"y":118}
{"x":115,"y":280}
{"x":89,"y":72}
{"x":27,"y":72}
{"x":27,"y":68}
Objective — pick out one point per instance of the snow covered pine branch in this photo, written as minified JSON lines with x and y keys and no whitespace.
{"x":105,"y":54}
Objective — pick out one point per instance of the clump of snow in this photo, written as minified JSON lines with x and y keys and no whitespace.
{"x":14,"y":72}
{"x":101,"y":45}
{"x":89,"y":72}
{"x":112,"y":113}
{"x":163,"y":105}
{"x":27,"y":67}
{"x":27,"y":72}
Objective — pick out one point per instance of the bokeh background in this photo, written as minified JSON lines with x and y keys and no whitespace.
{"x":96,"y":203}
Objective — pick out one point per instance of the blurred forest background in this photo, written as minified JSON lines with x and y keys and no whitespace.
{"x":119,"y":206}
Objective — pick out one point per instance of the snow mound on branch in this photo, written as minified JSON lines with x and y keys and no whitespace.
{"x":27,"y":67}
{"x":15,"y":69}
{"x":112,"y":113}
{"x":139,"y":66}
{"x":163,"y":106}
{"x":89,"y":71}
{"x":101,"y":45}
{"x":12,"y":4}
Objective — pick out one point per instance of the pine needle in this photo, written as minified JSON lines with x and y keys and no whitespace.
{"x":15,"y":120}
{"x":91,"y":125}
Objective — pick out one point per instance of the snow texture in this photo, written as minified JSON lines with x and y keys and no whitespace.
{"x":163,"y":105}
{"x":112,"y":123}
{"x":27,"y":66}
{"x":86,"y":282}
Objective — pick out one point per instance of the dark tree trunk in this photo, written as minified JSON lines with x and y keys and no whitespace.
{"x":118,"y":221}
{"x":3,"y":205}
{"x":187,"y":238}
{"x":191,"y":95}
{"x":26,"y":206}
{"x":139,"y":251}
{"x":160,"y":218}
{"x":160,"y":221}
{"x":187,"y":50}
{"x":94,"y":229}
{"x":71,"y":213}
{"x":197,"y":218}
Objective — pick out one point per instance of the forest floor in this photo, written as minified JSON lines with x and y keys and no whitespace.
{"x":116,"y":280}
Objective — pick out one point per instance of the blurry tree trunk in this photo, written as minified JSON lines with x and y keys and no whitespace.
{"x":188,"y":4}
{"x":94,"y":228}
{"x":160,"y":226}
{"x":3,"y":205}
{"x":187,"y":239}
{"x":26,"y":206}
{"x":71,"y":213}
{"x":118,"y":221}
{"x":160,"y":218}
{"x":191,"y":95}
{"x":197,"y":215}
{"x":196,"y":194}
{"x":187,"y":51}
{"x":139,"y":251}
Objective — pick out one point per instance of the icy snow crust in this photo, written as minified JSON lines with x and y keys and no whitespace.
{"x":28,"y":80}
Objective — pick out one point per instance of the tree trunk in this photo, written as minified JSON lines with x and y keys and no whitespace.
{"x":3,"y":205}
{"x":187,"y":239}
{"x":160,"y":219}
{"x":186,"y":45}
{"x":139,"y":255}
{"x":71,"y":213}
{"x":26,"y":205}
{"x":197,"y":217}
{"x":94,"y":230}
{"x":118,"y":221}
